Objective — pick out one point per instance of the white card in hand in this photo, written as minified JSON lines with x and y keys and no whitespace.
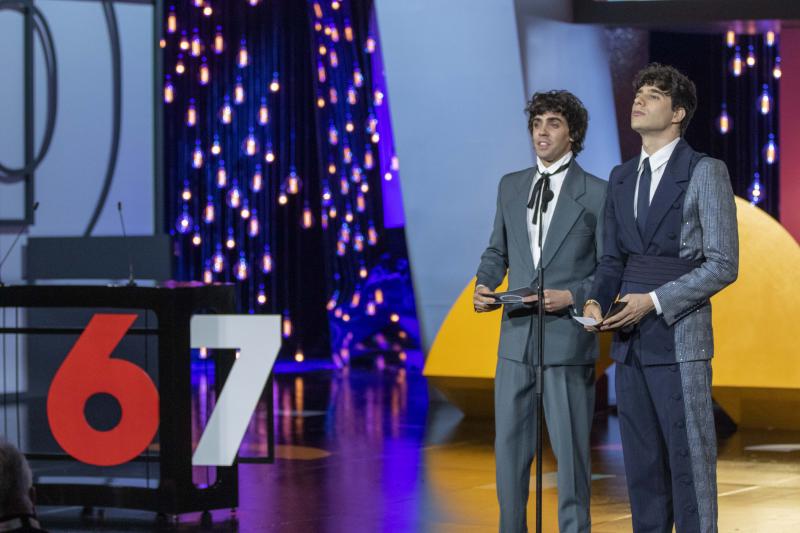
{"x":586,"y":321}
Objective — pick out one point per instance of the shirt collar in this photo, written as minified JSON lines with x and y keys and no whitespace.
{"x":564,"y":159}
{"x":660,"y":157}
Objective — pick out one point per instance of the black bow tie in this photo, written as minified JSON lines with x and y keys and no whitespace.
{"x":541,"y":189}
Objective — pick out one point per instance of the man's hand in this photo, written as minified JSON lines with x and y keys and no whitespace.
{"x":638,"y":306}
{"x":554,"y":300}
{"x":592,"y":310}
{"x":481,"y":302}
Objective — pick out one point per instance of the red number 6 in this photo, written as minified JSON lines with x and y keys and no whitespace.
{"x":89,"y":370}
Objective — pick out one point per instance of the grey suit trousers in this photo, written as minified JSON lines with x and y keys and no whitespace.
{"x":568,"y":395}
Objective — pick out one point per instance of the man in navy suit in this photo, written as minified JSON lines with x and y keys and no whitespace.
{"x":670,"y":242}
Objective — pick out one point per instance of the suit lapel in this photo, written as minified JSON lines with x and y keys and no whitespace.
{"x":567,"y":211}
{"x":624,"y":201}
{"x":518,"y":212}
{"x":673,"y":183}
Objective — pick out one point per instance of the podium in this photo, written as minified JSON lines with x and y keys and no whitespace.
{"x":50,"y":326}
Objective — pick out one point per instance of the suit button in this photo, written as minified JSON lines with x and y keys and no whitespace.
{"x":668,"y":348}
{"x":684,"y":452}
{"x":676,"y":396}
{"x":680,"y":425}
{"x":671,"y":236}
{"x":691,"y":509}
{"x":686,"y":480}
{"x":673,"y":368}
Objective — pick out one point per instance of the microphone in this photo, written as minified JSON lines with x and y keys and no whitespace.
{"x":10,"y":248}
{"x":131,"y":282}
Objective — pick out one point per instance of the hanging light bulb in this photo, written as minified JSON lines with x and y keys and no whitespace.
{"x":197,"y":44}
{"x":266,"y":261}
{"x":262,"y":296}
{"x":219,"y":41}
{"x":395,"y":163}
{"x":222,"y":175}
{"x":335,"y":5}
{"x":241,"y":268}
{"x":230,"y":242}
{"x":764,"y":101}
{"x":269,"y":157}
{"x":331,"y":167}
{"x":204,"y":75}
{"x":359,"y":242}
{"x":348,"y":31}
{"x":180,"y":68}
{"x":263,"y":112}
{"x":257,"y":182}
{"x":751,"y":56}
{"x":333,"y":95}
{"x":293,"y":182}
{"x":370,"y":45}
{"x":242,"y":58}
{"x":169,"y":91}
{"x":378,"y":296}
{"x":736,"y":63}
{"x":172,"y":21}
{"x":216,"y":148}
{"x":352,"y":96}
{"x":730,"y":38}
{"x":321,"y":75}
{"x":378,"y":97}
{"x":365,"y":187}
{"x":234,"y":198}
{"x":253,"y":3}
{"x":770,"y":38}
{"x":320,"y":101}
{"x":282,"y":198}
{"x":347,"y":154}
{"x":275,"y":84}
{"x":317,"y":10}
{"x":238,"y":91}
{"x":344,"y":186}
{"x":724,"y":121}
{"x":191,"y":114}
{"x":369,"y":160}
{"x":334,"y":59}
{"x":361,"y":203}
{"x":162,"y":43}
{"x":186,"y":194}
{"x":253,"y":226}
{"x":226,"y":111}
{"x":245,"y":212}
{"x":333,"y":135}
{"x":197,"y":239}
{"x":208,"y":10}
{"x":208,"y":212}
{"x":218,"y":260}
{"x":250,"y":144}
{"x":372,"y":235}
{"x":358,"y":77}
{"x":308,"y":217}
{"x":184,"y":222}
{"x":771,"y":150}
{"x":287,"y":325}
{"x":756,"y":193}
{"x":208,"y":276}
{"x":197,"y":155}
{"x":183,"y":44}
{"x":776,"y":70}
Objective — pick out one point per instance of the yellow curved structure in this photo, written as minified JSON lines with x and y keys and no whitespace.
{"x":755,"y":320}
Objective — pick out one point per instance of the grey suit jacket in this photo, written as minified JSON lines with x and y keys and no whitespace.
{"x":709,"y":234}
{"x":571,"y":252}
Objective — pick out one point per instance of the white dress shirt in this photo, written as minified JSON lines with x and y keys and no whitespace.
{"x":658,"y":162}
{"x":556,"y":181}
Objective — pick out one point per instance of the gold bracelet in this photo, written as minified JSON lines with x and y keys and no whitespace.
{"x":590,"y":301}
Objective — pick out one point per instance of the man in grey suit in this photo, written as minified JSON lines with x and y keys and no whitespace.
{"x":572,"y":229}
{"x":670,"y":243}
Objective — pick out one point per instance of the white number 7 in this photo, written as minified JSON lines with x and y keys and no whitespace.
{"x":258,"y":339}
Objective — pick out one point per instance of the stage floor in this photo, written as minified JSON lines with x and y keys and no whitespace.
{"x":365,"y":451}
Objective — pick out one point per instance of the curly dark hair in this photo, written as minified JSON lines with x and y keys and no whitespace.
{"x":674,"y":84}
{"x":566,"y":104}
